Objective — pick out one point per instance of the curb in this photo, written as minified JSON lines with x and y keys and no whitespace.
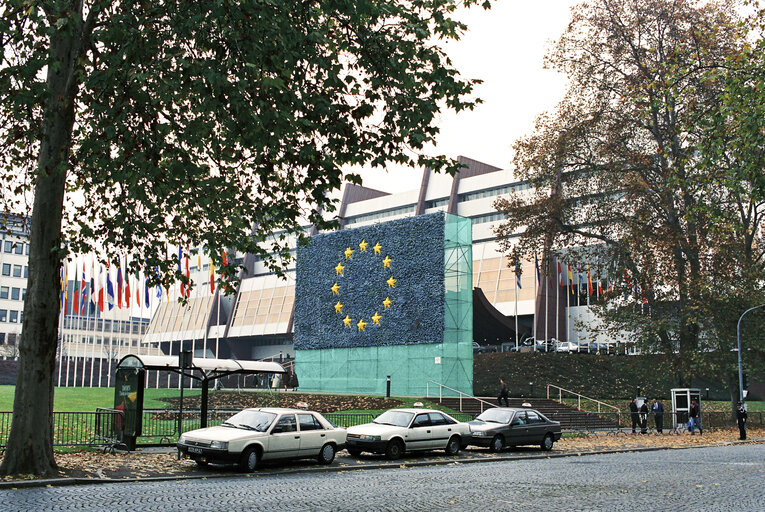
{"x":63,"y":482}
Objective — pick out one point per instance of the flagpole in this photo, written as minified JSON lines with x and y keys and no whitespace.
{"x":568,"y":306}
{"x":557,"y":304}
{"x":534,"y":312}
{"x":61,"y":342}
{"x":547,"y":302}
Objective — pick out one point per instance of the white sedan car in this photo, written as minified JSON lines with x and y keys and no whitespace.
{"x":400,"y":430}
{"x":253,"y":435}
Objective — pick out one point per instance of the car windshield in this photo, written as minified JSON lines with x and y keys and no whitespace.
{"x":251,"y":420}
{"x":395,"y":418}
{"x":496,"y":416}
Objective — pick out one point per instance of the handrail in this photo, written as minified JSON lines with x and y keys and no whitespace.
{"x":459,"y":393}
{"x":579,"y":398}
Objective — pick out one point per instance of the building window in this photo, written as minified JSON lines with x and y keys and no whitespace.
{"x":6,"y":269}
{"x":26,"y":271}
{"x":13,"y":317}
{"x":436,"y":203}
{"x":3,"y":315}
{"x":19,"y":249}
{"x":15,"y":293}
{"x":4,"y":292}
{"x":8,"y":246}
{"x":23,"y":294}
{"x":17,"y":270}
{"x":380,"y":215}
{"x":26,"y":246}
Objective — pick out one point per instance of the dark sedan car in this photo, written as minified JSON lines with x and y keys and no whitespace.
{"x":501,"y":427}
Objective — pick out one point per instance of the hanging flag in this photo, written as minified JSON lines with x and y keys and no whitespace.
{"x":109,"y":287}
{"x":76,"y":292}
{"x":589,"y":279}
{"x":536,"y":268}
{"x":119,"y":284}
{"x":212,"y":276}
{"x":159,"y":287}
{"x":225,"y":262}
{"x":66,"y":287}
{"x":518,"y":275}
{"x":146,"y":284}
{"x":61,"y":287}
{"x":100,"y":284}
{"x":127,"y":285}
{"x":83,"y":290}
{"x":93,"y":292}
{"x":560,"y":275}
{"x":600,"y":287}
{"x":188,"y":276}
{"x":570,"y":278}
{"x":137,"y":288}
{"x":180,"y":271}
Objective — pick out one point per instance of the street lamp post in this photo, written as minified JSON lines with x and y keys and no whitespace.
{"x":738,"y":336}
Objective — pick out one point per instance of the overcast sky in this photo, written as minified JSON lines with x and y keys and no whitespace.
{"x":504,"y":47}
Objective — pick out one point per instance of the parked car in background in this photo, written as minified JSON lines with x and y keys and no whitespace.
{"x":253,"y":435}
{"x":397,"y":431}
{"x":483,"y":349}
{"x":566,"y":346}
{"x":503,"y":427}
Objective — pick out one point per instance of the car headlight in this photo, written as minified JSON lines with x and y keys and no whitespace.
{"x":182,"y":439}
{"x":369,"y":438}
{"x":480,"y":433}
{"x":219,"y":445}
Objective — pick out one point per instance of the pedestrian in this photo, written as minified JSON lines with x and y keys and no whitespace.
{"x":634,"y":414}
{"x":644,"y":418}
{"x":695,"y":417}
{"x":741,"y":420}
{"x":657,"y":409}
{"x":503,"y":393}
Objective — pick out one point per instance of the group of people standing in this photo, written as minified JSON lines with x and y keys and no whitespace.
{"x":640,"y":415}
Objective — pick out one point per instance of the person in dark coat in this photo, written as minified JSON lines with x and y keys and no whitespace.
{"x":503,"y":393}
{"x":657,"y":409}
{"x":634,"y":414}
{"x":695,"y":417}
{"x":741,"y":420}
{"x":644,"y":418}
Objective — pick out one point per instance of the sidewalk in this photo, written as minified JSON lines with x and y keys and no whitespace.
{"x":90,"y":467}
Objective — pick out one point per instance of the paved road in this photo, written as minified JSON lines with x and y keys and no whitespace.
{"x":723,"y":478}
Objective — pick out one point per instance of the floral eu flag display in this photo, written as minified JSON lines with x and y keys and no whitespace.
{"x":378,"y":300}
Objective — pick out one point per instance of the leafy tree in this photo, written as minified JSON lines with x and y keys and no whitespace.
{"x":187,"y":123}
{"x":620,"y":176}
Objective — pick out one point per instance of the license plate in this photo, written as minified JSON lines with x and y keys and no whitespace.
{"x":194,"y":449}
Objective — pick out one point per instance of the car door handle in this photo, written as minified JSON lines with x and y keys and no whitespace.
{"x":297,"y":437}
{"x":449,"y":429}
{"x":323,"y":435}
{"x":428,"y":431}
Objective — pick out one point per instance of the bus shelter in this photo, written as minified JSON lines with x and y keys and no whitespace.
{"x":131,"y":375}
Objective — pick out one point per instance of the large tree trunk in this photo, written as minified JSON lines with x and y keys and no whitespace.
{"x":30,"y":444}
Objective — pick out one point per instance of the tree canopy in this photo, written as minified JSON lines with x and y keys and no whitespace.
{"x":188,"y":123}
{"x":642,"y":171}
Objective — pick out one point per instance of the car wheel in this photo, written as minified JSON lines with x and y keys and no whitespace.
{"x":202,"y":463}
{"x":394,"y":450}
{"x":453,"y":446}
{"x":327,"y":454}
{"x":355,"y":452}
{"x":497,"y":444}
{"x":248,"y":462}
{"x":547,"y":443}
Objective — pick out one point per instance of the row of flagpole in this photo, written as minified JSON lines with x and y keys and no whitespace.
{"x":566,"y":280}
{"x":102,"y":289}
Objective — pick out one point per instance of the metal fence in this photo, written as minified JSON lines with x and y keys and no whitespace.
{"x":74,"y":428}
{"x":671,"y":422}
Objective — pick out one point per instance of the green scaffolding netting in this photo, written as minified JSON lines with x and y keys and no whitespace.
{"x":414,"y":367}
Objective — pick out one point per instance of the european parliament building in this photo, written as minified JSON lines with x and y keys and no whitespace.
{"x":258,"y":321}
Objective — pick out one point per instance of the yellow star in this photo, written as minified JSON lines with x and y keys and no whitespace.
{"x":347,"y":321}
{"x":377,"y":248}
{"x":338,"y":308}
{"x":363,"y":246}
{"x":386,"y":261}
{"x":336,"y":289}
{"x":361,"y":325}
{"x":376,"y":318}
{"x":391,"y":282}
{"x":348,"y":253}
{"x":339,"y":269}
{"x":387,"y":302}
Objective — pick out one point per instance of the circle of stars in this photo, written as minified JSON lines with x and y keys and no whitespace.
{"x":335,"y":288}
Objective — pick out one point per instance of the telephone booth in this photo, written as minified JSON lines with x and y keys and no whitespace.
{"x":681,"y":404}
